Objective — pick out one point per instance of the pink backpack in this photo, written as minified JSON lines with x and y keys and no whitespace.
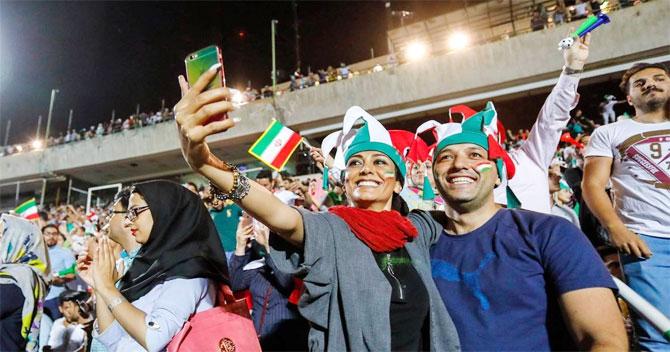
{"x":224,"y":328}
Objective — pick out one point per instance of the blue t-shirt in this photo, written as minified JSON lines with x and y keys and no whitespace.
{"x":501,"y":282}
{"x":60,"y":258}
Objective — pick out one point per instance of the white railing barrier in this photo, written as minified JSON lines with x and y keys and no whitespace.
{"x":644,"y":308}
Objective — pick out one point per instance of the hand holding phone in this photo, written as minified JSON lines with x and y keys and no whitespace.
{"x":198,"y":63}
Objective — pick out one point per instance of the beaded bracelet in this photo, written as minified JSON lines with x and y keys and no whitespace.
{"x":239,"y":190}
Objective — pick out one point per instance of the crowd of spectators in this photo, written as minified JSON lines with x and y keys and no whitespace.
{"x":564,"y":11}
{"x":297,"y":81}
{"x":133,"y":121}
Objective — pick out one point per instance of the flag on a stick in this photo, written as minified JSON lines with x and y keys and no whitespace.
{"x":276,"y":145}
{"x":28,"y":209}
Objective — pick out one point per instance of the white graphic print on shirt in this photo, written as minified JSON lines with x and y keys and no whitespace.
{"x":651,"y":151}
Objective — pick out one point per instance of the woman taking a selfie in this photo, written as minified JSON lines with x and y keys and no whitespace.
{"x":173,"y":276}
{"x":365,"y":268}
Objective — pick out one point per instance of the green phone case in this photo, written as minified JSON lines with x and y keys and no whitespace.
{"x":200,"y":61}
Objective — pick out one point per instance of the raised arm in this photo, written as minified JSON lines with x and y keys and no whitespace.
{"x":555,"y":113}
{"x":191,"y":112}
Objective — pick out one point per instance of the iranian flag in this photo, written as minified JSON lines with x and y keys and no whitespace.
{"x":28,"y":210}
{"x":276,"y":145}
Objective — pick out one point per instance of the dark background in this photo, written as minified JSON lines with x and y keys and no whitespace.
{"x":106,"y":56}
{"x":114,"y":55}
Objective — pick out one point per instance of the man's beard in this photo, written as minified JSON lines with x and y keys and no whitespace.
{"x":651,"y":105}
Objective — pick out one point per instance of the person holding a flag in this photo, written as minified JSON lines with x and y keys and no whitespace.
{"x":365,"y":267}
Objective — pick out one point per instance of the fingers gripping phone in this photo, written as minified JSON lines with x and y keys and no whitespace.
{"x":198,"y":63}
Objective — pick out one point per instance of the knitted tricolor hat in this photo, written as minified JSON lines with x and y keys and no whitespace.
{"x":480,"y":129}
{"x":349,"y":141}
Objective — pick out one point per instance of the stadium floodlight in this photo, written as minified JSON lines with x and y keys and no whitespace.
{"x":37,"y":144}
{"x":416,"y":51}
{"x":458,"y":40}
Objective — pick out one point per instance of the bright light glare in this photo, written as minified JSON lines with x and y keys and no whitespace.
{"x":458,"y":40}
{"x":37,"y":144}
{"x":19,"y":148}
{"x":416,"y":51}
{"x":237,"y":97}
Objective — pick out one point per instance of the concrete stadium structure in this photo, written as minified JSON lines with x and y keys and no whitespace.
{"x":408,"y":91}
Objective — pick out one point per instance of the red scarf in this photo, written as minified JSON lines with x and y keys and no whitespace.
{"x":382,"y":231}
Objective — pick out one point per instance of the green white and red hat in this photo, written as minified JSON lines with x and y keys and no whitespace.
{"x":372,"y":136}
{"x":482,"y":129}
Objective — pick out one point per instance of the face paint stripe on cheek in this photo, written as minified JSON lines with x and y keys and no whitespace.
{"x":483,"y":166}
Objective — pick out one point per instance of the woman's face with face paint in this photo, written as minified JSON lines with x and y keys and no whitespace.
{"x":370,"y":180}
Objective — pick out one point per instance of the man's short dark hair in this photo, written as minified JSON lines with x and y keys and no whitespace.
{"x":72,"y":296}
{"x":265,"y":173}
{"x":637,"y":68}
{"x":50,"y":225}
{"x":123,"y":196}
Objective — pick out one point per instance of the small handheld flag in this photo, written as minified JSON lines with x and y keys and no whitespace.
{"x":591,"y":23}
{"x":276,"y":145}
{"x":28,"y":210}
{"x":69,"y":270}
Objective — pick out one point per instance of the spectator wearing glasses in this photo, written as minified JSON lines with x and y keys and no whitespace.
{"x":167,"y":281}
{"x":60,"y":259}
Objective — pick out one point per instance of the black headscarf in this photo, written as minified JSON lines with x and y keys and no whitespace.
{"x":183,"y":243}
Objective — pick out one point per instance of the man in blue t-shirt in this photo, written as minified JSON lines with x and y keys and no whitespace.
{"x":512,"y":279}
{"x":60,"y":260}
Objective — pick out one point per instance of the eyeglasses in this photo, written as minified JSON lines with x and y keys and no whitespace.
{"x":112,"y":212}
{"x":133,"y":213}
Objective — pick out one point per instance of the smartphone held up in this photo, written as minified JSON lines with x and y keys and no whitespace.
{"x":198,"y":63}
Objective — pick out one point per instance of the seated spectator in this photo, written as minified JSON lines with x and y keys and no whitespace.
{"x":537,"y":23}
{"x":266,"y":92}
{"x":564,"y":204}
{"x":559,"y":13}
{"x":277,"y":321}
{"x":343,"y":71}
{"x":24,"y":276}
{"x":69,"y":333}
{"x":581,"y":10}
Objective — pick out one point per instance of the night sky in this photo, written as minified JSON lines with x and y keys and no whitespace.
{"x":114,"y":55}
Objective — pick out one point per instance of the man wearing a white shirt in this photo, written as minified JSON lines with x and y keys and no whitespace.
{"x":532,"y":160}
{"x":634,"y":155}
{"x":68,"y":333}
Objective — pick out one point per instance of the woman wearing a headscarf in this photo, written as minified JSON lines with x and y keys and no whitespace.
{"x":366,"y":267}
{"x":24,"y":273}
{"x":174,"y":275}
